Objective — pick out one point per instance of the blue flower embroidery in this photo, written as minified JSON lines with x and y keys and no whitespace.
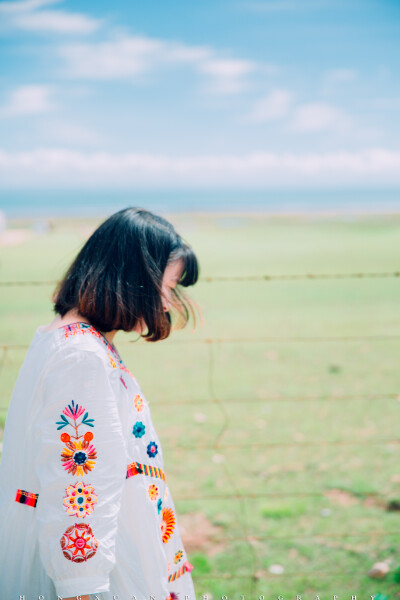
{"x":152,"y":449}
{"x":159,"y":505}
{"x":139,"y":429}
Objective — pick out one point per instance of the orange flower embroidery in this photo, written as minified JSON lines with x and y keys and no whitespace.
{"x":138,"y":401}
{"x":153,"y":491}
{"x":80,"y":499}
{"x":78,"y":457}
{"x":167,"y":524}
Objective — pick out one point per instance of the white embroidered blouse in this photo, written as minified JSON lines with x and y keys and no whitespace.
{"x":84,"y":503}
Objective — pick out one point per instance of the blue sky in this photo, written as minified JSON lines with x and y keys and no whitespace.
{"x":240,"y":93}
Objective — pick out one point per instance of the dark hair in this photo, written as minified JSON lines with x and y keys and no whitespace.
{"x":116,"y":279}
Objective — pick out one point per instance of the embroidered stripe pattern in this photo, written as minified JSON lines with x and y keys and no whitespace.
{"x":136,"y":468}
{"x":28,"y":498}
{"x":74,"y":328}
{"x":186,"y":568}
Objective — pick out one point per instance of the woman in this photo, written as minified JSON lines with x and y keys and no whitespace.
{"x":85,"y":509}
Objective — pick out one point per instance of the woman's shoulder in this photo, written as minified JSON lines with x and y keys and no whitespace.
{"x":78,"y":343}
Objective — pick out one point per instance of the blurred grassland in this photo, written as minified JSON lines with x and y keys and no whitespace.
{"x":200,"y":393}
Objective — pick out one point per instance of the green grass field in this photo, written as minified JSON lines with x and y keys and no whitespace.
{"x":280,"y":438}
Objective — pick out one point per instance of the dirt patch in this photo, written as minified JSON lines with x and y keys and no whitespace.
{"x":341,"y":497}
{"x":375,"y":502}
{"x":199,"y":534}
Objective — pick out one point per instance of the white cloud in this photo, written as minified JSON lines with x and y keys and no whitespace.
{"x":58,"y":166}
{"x":318,"y":117}
{"x":116,"y":59}
{"x":273,"y":107}
{"x":28,"y":100}
{"x":27,"y":15}
{"x":24,"y":6}
{"x":227,"y":75}
{"x":128,"y":56}
{"x":56,"y":22}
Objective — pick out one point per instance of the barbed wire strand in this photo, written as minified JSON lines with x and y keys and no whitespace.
{"x":239,"y":278}
{"x":354,"y":338}
{"x":273,"y":495}
{"x":327,"y":398}
{"x":301,"y":536}
{"x":283,"y":398}
{"x":292,"y":444}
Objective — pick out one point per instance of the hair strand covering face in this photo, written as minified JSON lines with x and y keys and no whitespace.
{"x":116,"y":279}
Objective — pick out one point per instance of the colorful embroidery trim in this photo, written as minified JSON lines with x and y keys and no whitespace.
{"x":74,"y":328}
{"x":80,"y":499}
{"x":185,"y":568}
{"x":136,"y":468}
{"x":78,"y":543}
{"x":79,"y":457}
{"x":167,"y":524}
{"x":28,"y":498}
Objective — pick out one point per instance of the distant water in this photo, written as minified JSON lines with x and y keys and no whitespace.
{"x":70,"y":203}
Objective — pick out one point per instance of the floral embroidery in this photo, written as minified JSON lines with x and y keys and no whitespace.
{"x":74,"y":328}
{"x":152,"y":449}
{"x":178,"y":556}
{"x":78,"y":543}
{"x":78,"y":457}
{"x":167,"y":524}
{"x":80,"y":499}
{"x":159,"y":505}
{"x":153,"y":491}
{"x":138,"y":429}
{"x":138,"y":401}
{"x":172,"y":596}
{"x":73,"y":412}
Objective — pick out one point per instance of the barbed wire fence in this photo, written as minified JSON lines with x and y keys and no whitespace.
{"x":253,"y":576}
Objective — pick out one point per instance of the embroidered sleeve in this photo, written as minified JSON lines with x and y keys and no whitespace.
{"x":80,"y":463}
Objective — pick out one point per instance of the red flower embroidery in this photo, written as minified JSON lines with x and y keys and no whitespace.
{"x":78,"y":543}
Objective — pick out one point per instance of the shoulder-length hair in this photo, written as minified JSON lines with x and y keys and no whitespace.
{"x":116,"y":279}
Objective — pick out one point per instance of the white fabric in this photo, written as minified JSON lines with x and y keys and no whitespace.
{"x":135,"y":553}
